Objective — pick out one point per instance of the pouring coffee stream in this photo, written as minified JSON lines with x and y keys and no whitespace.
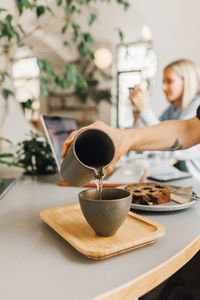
{"x":99,"y":181}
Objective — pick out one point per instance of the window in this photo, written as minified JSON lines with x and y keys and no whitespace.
{"x":136,"y":64}
{"x":26,"y":83}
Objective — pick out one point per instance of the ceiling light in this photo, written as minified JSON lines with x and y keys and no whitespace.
{"x":146,"y":33}
{"x":103,"y":58}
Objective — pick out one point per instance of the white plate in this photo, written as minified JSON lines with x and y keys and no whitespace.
{"x":170,"y":206}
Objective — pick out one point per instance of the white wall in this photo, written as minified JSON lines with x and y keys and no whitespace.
{"x":175,"y":25}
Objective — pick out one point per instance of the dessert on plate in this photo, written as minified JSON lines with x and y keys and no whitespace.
{"x":149,"y":193}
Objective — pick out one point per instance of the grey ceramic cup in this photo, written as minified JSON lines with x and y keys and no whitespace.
{"x":91,"y":149}
{"x":107,"y":215}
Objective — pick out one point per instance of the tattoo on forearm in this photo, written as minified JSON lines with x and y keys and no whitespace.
{"x":175,"y":146}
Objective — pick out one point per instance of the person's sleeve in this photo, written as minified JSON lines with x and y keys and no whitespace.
{"x":192,"y":110}
{"x":166,"y":115}
{"x":148,"y":118}
{"x":139,"y":125}
{"x":187,"y":154}
{"x":192,"y":152}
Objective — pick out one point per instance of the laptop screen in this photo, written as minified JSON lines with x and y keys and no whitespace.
{"x":57,"y":130}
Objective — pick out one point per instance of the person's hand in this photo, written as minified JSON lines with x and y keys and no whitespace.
{"x":119,"y":137}
{"x":136,"y":116}
{"x":139,"y":98}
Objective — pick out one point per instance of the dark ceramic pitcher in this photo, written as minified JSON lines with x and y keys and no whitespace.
{"x":91,"y":150}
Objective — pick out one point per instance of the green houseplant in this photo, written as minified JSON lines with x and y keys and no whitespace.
{"x":91,"y":95}
{"x":91,"y":73}
{"x":15,"y":35}
{"x":33,"y":155}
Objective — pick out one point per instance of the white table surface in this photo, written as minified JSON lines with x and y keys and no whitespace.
{"x":37,"y":264}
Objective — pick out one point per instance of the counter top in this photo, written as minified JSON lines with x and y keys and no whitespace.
{"x":36,"y":263}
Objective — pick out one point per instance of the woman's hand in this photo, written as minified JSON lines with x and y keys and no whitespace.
{"x":136,"y":116}
{"x":139,"y":98}
{"x":120,"y":138}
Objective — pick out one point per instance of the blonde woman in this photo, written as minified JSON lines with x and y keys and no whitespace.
{"x":181,"y":83}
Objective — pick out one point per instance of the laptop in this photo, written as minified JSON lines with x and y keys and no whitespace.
{"x":5,"y":185}
{"x":57,"y":130}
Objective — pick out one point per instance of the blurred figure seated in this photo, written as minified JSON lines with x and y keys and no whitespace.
{"x":181,"y":85}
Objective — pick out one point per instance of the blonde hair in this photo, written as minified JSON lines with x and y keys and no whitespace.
{"x":191,"y":76}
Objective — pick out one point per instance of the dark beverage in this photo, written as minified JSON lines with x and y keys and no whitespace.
{"x":94,"y":149}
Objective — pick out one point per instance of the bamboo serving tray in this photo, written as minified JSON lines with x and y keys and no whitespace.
{"x":69,"y":222}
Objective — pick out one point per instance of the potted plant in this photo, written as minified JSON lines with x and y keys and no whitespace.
{"x":33,"y":155}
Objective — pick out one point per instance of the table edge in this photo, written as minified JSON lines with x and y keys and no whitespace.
{"x":138,"y":287}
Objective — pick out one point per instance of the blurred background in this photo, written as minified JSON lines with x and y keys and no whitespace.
{"x":78,"y":58}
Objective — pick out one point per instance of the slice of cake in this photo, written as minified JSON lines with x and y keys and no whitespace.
{"x":149,"y":193}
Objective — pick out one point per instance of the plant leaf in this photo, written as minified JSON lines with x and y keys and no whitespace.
{"x":44,"y":87}
{"x":6,"y":155}
{"x":6,"y":140}
{"x":64,"y":28}
{"x":28,"y":103}
{"x":6,"y":93}
{"x":65,"y":43}
{"x":21,"y":4}
{"x":2,"y":9}
{"x":21,"y":29}
{"x":120,"y":34}
{"x":40,"y":10}
{"x":91,"y":18}
{"x":59,"y":2}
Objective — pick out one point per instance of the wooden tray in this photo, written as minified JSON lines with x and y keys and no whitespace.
{"x":69,"y":222}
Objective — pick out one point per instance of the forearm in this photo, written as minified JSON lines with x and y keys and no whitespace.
{"x":166,"y":136}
